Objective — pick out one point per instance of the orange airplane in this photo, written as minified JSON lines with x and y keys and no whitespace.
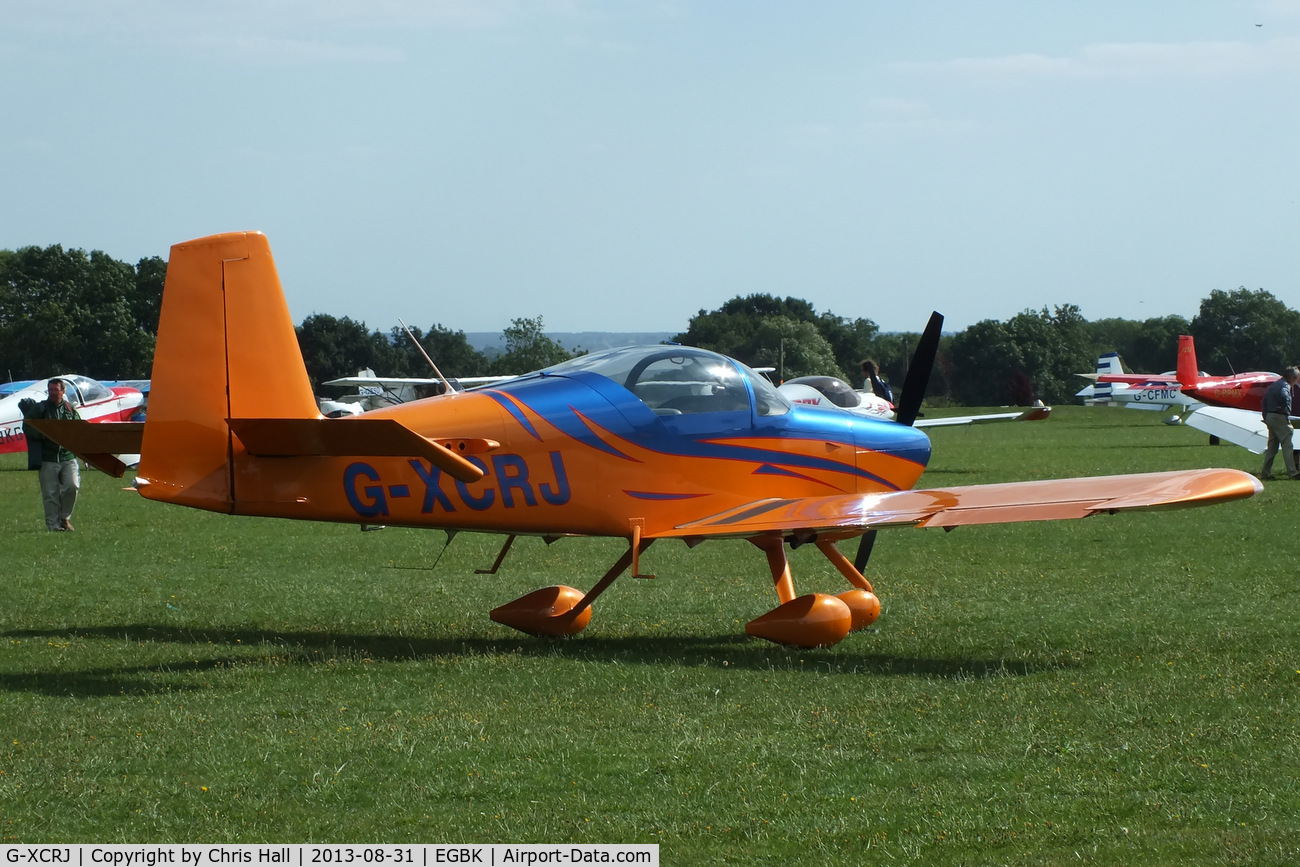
{"x":644,"y":444}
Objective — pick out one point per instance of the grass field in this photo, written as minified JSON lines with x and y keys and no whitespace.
{"x":1116,"y":690}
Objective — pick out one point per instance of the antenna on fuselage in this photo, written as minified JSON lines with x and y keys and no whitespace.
{"x":445,"y":383}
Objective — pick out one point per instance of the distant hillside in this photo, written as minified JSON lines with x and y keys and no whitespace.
{"x":484,"y":341}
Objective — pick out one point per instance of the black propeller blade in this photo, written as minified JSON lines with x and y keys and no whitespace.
{"x":918,"y":372}
{"x":865,"y":543}
{"x":918,"y":375}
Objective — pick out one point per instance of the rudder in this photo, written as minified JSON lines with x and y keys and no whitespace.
{"x":226,"y":349}
{"x":1187,"y":371}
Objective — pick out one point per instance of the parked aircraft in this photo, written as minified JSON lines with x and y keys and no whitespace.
{"x":1228,"y":407}
{"x":1112,"y":385}
{"x":644,"y":444}
{"x":831,"y":392}
{"x":94,"y":401}
{"x":374,"y":391}
{"x":1240,"y":390}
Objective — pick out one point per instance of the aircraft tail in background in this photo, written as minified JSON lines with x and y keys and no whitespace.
{"x":1187,"y":371}
{"x":1100,"y":392}
{"x":1108,"y":362}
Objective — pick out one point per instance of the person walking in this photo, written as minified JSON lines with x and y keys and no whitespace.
{"x":1277,"y":418}
{"x":60,"y":478}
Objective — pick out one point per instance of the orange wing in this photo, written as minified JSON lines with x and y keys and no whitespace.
{"x":1048,"y":500}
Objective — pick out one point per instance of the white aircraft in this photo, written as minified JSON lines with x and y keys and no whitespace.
{"x":374,"y":391}
{"x":1137,"y":391}
{"x":93,"y":400}
{"x":831,"y":392}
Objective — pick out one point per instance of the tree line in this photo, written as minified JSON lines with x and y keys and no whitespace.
{"x":66,"y":311}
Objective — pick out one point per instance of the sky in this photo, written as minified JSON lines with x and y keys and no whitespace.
{"x":620,"y":166}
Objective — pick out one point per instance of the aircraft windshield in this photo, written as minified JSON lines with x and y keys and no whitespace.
{"x":676,"y":380}
{"x":90,"y":390}
{"x":837,"y":391}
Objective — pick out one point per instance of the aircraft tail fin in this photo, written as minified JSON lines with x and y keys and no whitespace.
{"x":1187,"y":369}
{"x":226,"y":349}
{"x":1109,"y":363}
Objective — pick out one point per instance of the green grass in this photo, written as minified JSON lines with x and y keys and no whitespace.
{"x":1119,"y":689}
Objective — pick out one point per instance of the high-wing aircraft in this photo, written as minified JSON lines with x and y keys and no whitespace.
{"x":645,"y":444}
{"x":94,"y":401}
{"x":374,"y":391}
{"x":831,"y":392}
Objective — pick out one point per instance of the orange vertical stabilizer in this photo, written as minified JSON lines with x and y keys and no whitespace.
{"x":226,"y":349}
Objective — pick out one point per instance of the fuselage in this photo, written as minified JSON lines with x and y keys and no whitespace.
{"x":1239,"y":391}
{"x":654,"y":436}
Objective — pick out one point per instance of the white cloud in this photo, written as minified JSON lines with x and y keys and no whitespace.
{"x":1124,"y":61}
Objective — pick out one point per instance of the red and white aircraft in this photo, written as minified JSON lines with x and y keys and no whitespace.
{"x":93,"y":400}
{"x":1238,"y":390}
{"x":1226,"y":407}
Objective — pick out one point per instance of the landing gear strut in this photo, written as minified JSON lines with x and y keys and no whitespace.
{"x":562,"y":610}
{"x":815,"y":619}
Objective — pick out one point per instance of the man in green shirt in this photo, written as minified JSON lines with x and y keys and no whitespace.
{"x":60,"y":478}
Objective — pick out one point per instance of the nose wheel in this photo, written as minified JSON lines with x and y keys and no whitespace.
{"x":815,"y":619}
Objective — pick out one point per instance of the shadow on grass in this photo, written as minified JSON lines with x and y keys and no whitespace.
{"x":308,"y":648}
{"x":103,"y":682}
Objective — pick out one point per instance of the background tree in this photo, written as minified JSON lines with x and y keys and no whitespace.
{"x":792,"y":348}
{"x":451,"y":351}
{"x":333,"y":347}
{"x":853,"y":341}
{"x":528,"y":348}
{"x":1150,"y":346}
{"x":751,"y":327}
{"x":1244,"y":330}
{"x":995,"y":363}
{"x":146,"y":304}
{"x":64,"y":311}
{"x":731,"y":329}
{"x":982,"y":361}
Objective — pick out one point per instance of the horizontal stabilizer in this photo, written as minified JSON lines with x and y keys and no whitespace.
{"x":1047,"y":500}
{"x":95,"y":443}
{"x":358,"y":436}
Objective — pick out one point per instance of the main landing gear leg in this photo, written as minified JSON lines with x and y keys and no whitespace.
{"x":862,"y":601}
{"x":562,"y":610}
{"x":812,"y":620}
